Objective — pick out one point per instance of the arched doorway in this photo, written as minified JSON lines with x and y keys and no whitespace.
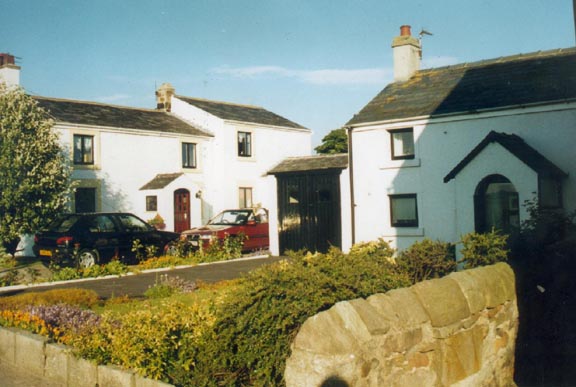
{"x":496,"y":205}
{"x":181,"y":210}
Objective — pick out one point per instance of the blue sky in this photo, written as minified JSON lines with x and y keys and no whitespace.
{"x":315,"y":62}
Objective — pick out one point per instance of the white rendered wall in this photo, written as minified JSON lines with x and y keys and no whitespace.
{"x":226,"y":172}
{"x":10,"y":76}
{"x":446,"y":209}
{"x":126,"y":160}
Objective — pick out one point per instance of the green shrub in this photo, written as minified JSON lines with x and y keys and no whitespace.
{"x":149,"y":340}
{"x":257,"y":321}
{"x":114,"y":267}
{"x":483,"y":249}
{"x":427,"y":259}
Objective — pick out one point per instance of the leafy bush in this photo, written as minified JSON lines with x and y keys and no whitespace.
{"x":257,"y":321}
{"x":427,"y":259}
{"x":149,"y":339}
{"x":483,"y":249}
{"x":161,"y":262}
{"x":113,"y":267}
{"x":79,"y":297}
{"x":181,"y":254}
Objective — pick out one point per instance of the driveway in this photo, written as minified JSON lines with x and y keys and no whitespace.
{"x":135,"y":285}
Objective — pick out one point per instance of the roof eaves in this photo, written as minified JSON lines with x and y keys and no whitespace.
{"x":515,"y":145}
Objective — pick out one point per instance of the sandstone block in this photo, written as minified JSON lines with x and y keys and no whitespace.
{"x":113,"y":376}
{"x":443,"y":301}
{"x":144,"y":382}
{"x":82,"y":373}
{"x":7,"y":345}
{"x":361,"y":319}
{"x":325,"y":333}
{"x":408,"y":307}
{"x":29,"y":352}
{"x":56,"y":367}
{"x":469,"y":286}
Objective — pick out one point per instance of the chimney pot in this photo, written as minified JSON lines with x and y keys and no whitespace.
{"x":405,"y":30}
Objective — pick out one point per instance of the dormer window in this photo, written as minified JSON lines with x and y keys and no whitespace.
{"x":402,"y":144}
{"x":244,"y":144}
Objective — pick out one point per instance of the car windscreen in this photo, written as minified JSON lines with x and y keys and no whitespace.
{"x":63,"y":223}
{"x":231,"y":217}
{"x":133,"y":224}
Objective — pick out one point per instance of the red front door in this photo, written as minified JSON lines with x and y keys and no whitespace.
{"x":181,"y":210}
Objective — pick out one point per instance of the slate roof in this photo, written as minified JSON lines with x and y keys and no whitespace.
{"x":543,"y":76}
{"x":311,"y":163}
{"x":97,"y":114}
{"x":160,"y":181}
{"x":518,"y":147}
{"x":242,"y":113}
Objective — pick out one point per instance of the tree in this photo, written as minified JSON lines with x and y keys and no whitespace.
{"x":34,"y":171}
{"x":334,"y":142}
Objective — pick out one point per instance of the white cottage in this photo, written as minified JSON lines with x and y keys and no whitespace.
{"x":246,"y":141}
{"x":185,"y":160}
{"x":443,"y":152}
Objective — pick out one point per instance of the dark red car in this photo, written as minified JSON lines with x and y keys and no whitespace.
{"x":252,"y":223}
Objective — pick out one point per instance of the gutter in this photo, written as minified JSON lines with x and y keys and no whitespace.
{"x":351,"y":172}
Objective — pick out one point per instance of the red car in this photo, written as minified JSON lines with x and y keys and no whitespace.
{"x":252,"y":223}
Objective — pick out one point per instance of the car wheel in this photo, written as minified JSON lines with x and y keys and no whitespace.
{"x":88,"y":258}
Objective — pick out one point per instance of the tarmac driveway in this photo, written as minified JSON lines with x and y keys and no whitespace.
{"x":135,"y":285}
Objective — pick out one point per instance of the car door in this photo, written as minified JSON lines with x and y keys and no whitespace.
{"x":135,"y":229}
{"x":102,"y":234}
{"x":256,"y":229}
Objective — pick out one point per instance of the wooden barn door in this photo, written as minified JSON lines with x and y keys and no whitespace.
{"x":309,"y":211}
{"x":181,"y":210}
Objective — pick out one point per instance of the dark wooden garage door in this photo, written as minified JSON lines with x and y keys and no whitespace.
{"x":309,"y":211}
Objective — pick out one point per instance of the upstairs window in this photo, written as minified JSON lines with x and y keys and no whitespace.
{"x":83,"y":149}
{"x":244,"y":144}
{"x":403,"y":210}
{"x":402,"y":144}
{"x":188,"y":155}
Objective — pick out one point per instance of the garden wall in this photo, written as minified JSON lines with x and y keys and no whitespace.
{"x":458,"y":330}
{"x":35,"y":354}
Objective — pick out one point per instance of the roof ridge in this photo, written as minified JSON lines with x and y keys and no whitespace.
{"x":507,"y":58}
{"x":96,"y":103}
{"x":221,"y":102}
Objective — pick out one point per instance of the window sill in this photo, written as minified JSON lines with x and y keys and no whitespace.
{"x":408,"y":231}
{"x":86,"y":167}
{"x":396,"y":164}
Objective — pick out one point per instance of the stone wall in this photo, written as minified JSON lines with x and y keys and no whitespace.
{"x":459,"y":330}
{"x":56,"y":365}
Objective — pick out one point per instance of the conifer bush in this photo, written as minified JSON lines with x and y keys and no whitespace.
{"x":427,"y":259}
{"x":255,"y":324}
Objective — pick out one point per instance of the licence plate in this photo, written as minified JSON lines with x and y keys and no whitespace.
{"x":46,"y":253}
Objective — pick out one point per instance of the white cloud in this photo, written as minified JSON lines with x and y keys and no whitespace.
{"x":317,"y":77}
{"x":113,"y":98}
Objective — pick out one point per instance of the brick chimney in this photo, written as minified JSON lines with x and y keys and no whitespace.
{"x":407,"y":53}
{"x":164,"y":97}
{"x":9,"y":71}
